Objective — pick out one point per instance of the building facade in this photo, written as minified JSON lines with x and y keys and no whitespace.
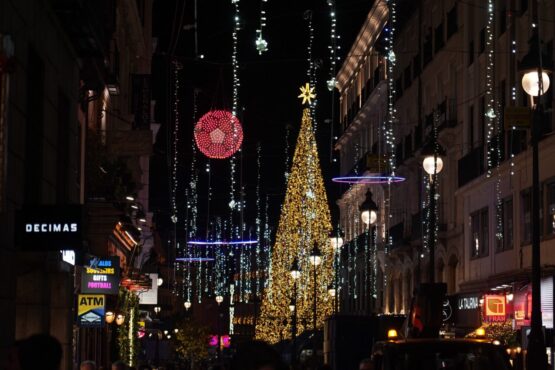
{"x":440,"y":80}
{"x":74,"y":96}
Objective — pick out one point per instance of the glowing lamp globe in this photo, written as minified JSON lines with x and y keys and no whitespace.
{"x":120,"y":319}
{"x":531,"y":83}
{"x":187,"y":305}
{"x":218,"y":134}
{"x":110,"y":316}
{"x":428,"y":164}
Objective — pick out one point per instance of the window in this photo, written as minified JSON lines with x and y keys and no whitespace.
{"x":526,"y":205}
{"x":63,"y":149}
{"x":470,"y":52}
{"x":438,"y":36}
{"x":34,"y":128}
{"x":482,"y":128}
{"x":408,"y":77}
{"x":452,"y":21}
{"x":479,"y":233}
{"x":427,"y":49}
{"x":506,"y":242}
{"x":482,"y":40}
{"x":502,"y":21}
{"x":471,"y":127}
{"x":550,"y":207}
{"x":523,"y":6}
{"x":416,"y":66}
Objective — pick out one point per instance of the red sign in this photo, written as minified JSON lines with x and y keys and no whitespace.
{"x":495,"y":308}
{"x":523,"y":308}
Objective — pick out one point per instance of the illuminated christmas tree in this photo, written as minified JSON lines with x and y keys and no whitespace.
{"x":304,"y":224}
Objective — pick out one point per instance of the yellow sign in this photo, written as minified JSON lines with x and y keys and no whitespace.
{"x":517,"y":117}
{"x":90,"y":309}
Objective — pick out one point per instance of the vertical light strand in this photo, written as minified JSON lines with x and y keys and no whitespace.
{"x":192,"y":205}
{"x":258,"y":224}
{"x":261,"y":43}
{"x":333,"y":47}
{"x":174,"y":182}
{"x":513,"y":103}
{"x":392,"y":93}
{"x":311,"y":70}
{"x":235,"y":106}
{"x":267,"y":246}
{"x":494,"y":133}
{"x":175,"y":160}
{"x":490,"y":86}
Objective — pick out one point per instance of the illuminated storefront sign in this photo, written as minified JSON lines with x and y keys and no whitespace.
{"x":49,"y":227}
{"x":495,"y":308}
{"x":90,"y":310}
{"x":468,"y":303}
{"x":101,"y":275}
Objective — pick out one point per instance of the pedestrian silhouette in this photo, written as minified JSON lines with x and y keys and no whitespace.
{"x":39,"y":351}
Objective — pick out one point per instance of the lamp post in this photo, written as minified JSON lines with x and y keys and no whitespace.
{"x":432,"y":163}
{"x":219,"y":300}
{"x":534,"y":65}
{"x":336,"y":241}
{"x":315,"y":260}
{"x":295,"y":274}
{"x":369,"y":215}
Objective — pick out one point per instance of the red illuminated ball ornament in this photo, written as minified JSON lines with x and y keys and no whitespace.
{"x":218,"y":134}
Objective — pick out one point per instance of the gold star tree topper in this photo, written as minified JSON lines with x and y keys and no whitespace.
{"x":307,"y":93}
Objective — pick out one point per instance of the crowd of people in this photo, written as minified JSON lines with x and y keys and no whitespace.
{"x":44,"y":352}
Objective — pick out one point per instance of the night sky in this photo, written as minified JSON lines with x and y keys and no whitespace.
{"x":267,"y":95}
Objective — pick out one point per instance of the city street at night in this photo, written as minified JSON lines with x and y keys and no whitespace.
{"x":277,"y":185}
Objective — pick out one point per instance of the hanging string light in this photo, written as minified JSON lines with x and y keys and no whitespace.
{"x":311,"y":70}
{"x":261,"y":43}
{"x":392,"y":93}
{"x":233,"y":203}
{"x":333,"y":47}
{"x":258,"y":224}
{"x":174,"y":185}
{"x":493,"y":138}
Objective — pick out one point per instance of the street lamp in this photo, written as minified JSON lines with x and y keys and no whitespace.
{"x":432,"y":162}
{"x":187,"y":305}
{"x":533,"y":65}
{"x":315,"y":260}
{"x":219,"y":299}
{"x":369,"y":215}
{"x":160,"y":281}
{"x":120,"y":319}
{"x":368,"y":210}
{"x":110,"y":316}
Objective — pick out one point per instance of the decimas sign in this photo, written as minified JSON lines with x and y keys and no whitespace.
{"x":218,"y":134}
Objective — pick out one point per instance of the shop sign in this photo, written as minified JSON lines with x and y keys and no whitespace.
{"x":151,"y":295}
{"x":468,"y":303}
{"x":101,"y":275}
{"x":68,"y":257}
{"x":447,"y":310}
{"x":42,"y":228}
{"x":467,"y":311}
{"x":495,"y":308}
{"x":90,"y":310}
{"x":523,"y":304}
